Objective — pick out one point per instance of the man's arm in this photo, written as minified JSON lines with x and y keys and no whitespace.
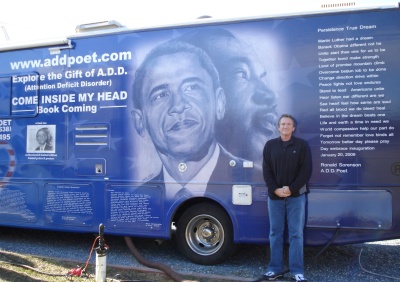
{"x":268,"y":171}
{"x":304,"y":170}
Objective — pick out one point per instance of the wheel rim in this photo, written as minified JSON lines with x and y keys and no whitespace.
{"x":204,"y":235}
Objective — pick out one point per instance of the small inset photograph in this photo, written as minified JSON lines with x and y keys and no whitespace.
{"x":41,"y":138}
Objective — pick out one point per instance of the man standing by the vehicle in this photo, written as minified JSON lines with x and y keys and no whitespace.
{"x":286,"y":169}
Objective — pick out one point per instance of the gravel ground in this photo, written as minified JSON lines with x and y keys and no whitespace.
{"x":377,"y":261}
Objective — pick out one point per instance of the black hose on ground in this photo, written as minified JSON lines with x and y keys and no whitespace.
{"x":165,"y":268}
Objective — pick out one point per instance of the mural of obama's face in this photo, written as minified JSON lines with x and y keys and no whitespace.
{"x":180,"y":105}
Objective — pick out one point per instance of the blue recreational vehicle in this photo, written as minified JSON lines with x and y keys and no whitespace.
{"x":158,"y":132}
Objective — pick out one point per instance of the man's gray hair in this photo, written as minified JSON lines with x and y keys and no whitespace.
{"x":287,"y":116}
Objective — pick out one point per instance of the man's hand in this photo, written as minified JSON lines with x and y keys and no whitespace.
{"x":283,"y":192}
{"x":286,"y":190}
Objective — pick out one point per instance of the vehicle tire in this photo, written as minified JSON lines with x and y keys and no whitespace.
{"x":205,"y":234}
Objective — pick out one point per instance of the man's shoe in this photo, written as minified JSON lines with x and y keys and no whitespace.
{"x":299,"y":278}
{"x":271,"y":276}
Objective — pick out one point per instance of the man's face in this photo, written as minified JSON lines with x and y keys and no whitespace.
{"x":286,"y":127}
{"x":179,"y":105}
{"x":41,"y":137}
{"x":251,"y":104}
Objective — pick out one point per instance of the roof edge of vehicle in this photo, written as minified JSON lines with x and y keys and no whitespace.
{"x":111,"y":27}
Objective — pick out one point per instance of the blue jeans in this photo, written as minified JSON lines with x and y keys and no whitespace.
{"x":292,"y":209}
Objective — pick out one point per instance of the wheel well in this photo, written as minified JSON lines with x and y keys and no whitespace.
{"x":193,"y":201}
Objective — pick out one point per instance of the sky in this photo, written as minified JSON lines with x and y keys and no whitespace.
{"x":26,"y":20}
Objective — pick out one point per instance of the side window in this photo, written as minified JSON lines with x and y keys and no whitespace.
{"x":5,"y":96}
{"x":19,"y":95}
{"x":24,"y":95}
